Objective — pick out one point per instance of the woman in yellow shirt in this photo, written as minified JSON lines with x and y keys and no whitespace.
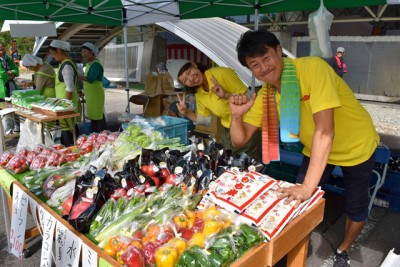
{"x":213,"y":88}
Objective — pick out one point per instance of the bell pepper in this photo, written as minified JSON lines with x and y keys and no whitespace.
{"x":211,"y":212}
{"x":197,"y":239}
{"x":117,"y":243}
{"x":191,"y":217}
{"x":136,"y":243}
{"x":118,"y":256}
{"x":149,"y":250}
{"x":251,"y":234}
{"x":133,"y":257}
{"x":211,"y":226}
{"x":180,"y":221}
{"x":215,"y":260}
{"x":153,"y":230}
{"x":166,"y":256}
{"x":107,"y":249}
{"x":186,"y":260}
{"x":200,"y":256}
{"x":179,"y":244}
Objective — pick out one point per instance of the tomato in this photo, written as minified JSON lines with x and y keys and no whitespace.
{"x":171,"y":179}
{"x":156,"y":180}
{"x":150,"y":169}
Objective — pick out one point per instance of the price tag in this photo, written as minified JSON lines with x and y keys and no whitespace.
{"x":89,"y":256}
{"x":18,"y":221}
{"x":72,"y":250}
{"x":33,"y":205}
{"x":61,"y":234}
{"x":48,"y":223}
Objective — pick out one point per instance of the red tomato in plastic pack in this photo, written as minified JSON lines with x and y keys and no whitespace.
{"x":38,"y":163}
{"x":86,"y":148}
{"x":6,"y":157}
{"x":81,"y":139}
{"x":72,"y":157}
{"x":113,"y":136}
{"x":17,"y":164}
{"x":57,"y":146}
{"x":31,"y":156}
{"x":23,"y":152}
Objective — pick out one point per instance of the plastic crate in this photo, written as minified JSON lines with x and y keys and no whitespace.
{"x":174,"y":127}
{"x":281,"y":171}
{"x":393,"y":200}
{"x":392,"y":183}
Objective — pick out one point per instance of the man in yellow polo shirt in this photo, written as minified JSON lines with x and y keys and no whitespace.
{"x":334,"y":128}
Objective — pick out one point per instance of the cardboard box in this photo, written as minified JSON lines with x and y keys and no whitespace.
{"x":214,"y":129}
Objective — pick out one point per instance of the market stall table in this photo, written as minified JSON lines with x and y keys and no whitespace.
{"x":45,"y":121}
{"x":292,"y":241}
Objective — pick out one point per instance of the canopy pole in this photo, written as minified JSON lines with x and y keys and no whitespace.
{"x":128,"y":110}
{"x":256,"y":12}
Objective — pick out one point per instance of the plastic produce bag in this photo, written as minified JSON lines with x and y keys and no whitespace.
{"x":31,"y":135}
{"x":319,"y":23}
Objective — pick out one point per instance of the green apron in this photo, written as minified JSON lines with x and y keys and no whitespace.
{"x":61,"y":93}
{"x":47,"y":91}
{"x":94,"y":96}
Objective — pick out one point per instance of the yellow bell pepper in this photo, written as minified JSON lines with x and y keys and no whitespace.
{"x":166,"y":256}
{"x":197,"y":239}
{"x":211,"y":226}
{"x":191,"y":217}
{"x":179,"y":244}
{"x":180,"y":221}
{"x":119,"y":256}
{"x":211,"y":212}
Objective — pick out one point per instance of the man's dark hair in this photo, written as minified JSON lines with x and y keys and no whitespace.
{"x":254,"y":43}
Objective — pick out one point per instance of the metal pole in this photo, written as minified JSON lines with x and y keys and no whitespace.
{"x":128,"y":110}
{"x":256,"y":12}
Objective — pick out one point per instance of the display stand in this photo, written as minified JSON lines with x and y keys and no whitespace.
{"x":45,"y":121}
{"x":292,"y":241}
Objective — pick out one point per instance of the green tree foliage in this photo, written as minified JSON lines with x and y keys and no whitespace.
{"x":24,"y":45}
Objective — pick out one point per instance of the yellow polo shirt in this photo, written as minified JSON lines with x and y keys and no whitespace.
{"x":208,"y":103}
{"x":321,"y":88}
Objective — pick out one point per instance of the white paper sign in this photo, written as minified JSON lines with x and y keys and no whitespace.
{"x":33,"y":206}
{"x":18,"y":221}
{"x":41,"y":212}
{"x":48,"y":223}
{"x":72,"y":250}
{"x":61,"y":235}
{"x":89,"y":256}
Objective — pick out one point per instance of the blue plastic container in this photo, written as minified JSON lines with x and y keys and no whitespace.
{"x":171,"y":127}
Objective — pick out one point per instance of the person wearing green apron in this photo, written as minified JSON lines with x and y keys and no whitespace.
{"x":44,"y":76}
{"x":8,"y":72}
{"x":93,"y":88}
{"x":65,"y":86}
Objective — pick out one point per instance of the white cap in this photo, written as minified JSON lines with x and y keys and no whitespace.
{"x":31,"y":60}
{"x":92,"y":47}
{"x":60,"y":44}
{"x":174,"y":66}
{"x":340,"y":49}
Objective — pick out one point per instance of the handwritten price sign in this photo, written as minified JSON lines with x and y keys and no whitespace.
{"x":48,"y":223}
{"x":18,"y":221}
{"x":89,"y":256}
